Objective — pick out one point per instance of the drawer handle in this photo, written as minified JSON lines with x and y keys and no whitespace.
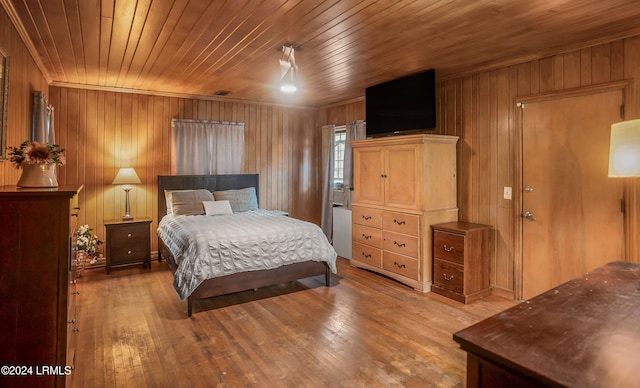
{"x":72,"y":321}
{"x":129,"y":234}
{"x":398,"y":222}
{"x":400,"y":245}
{"x":448,"y":249}
{"x":129,"y":252}
{"x":76,"y":292}
{"x":447,"y":278}
{"x":366,"y":237}
{"x":366,"y":255}
{"x":399,"y":265}
{"x":366,"y":218}
{"x":75,"y":330}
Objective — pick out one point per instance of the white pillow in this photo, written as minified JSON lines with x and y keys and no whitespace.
{"x":214,"y":208}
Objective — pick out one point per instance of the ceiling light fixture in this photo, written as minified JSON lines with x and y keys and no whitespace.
{"x":288,"y":70}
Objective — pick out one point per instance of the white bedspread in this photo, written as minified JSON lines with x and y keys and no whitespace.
{"x":205,"y":247}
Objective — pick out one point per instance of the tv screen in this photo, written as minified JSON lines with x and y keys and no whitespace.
{"x":401,"y":105}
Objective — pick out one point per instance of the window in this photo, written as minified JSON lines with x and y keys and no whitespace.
{"x":338,"y":157}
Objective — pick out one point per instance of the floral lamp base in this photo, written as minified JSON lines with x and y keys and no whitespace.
{"x":38,"y":175}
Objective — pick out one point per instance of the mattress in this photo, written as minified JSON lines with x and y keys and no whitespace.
{"x":206,"y":247}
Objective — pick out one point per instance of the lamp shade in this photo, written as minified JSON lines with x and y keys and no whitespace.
{"x":126,"y":176}
{"x":624,"y":149}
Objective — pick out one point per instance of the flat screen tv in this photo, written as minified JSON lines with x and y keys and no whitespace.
{"x":404,"y":105}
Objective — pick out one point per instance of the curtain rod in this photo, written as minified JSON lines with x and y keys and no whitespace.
{"x":206,"y":121}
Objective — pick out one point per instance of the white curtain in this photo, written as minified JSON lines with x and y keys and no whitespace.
{"x":42,"y":122}
{"x":328,"y":144}
{"x":206,"y":147}
{"x":356,"y":130}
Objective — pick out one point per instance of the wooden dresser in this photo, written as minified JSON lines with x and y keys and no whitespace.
{"x":461,"y":260}
{"x":37,"y":312}
{"x":402,"y":186}
{"x":583,"y":333}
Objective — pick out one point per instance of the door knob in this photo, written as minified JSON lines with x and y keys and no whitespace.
{"x":528,"y":215}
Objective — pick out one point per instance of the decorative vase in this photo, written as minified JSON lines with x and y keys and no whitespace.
{"x":81,"y":261}
{"x":38,"y":175}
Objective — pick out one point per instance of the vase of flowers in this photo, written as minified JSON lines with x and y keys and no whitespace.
{"x":87,"y":248}
{"x":38,"y":163}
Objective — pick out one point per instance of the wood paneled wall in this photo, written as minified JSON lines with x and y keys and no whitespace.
{"x":24,"y":79}
{"x":103,"y":131}
{"x":480,"y":109}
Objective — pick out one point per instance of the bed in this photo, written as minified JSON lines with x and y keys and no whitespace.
{"x":227,"y":253}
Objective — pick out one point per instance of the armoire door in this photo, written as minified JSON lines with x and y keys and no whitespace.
{"x":403,"y":174}
{"x":571,"y":214}
{"x":369,"y":180}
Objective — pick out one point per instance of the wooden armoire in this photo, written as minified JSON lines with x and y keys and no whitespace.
{"x":37,"y":286}
{"x":402,"y":186}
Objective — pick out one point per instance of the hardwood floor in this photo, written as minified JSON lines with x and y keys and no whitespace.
{"x":364,"y":331}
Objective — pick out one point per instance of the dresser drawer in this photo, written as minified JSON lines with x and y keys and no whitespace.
{"x":367,"y":254}
{"x":400,"y":264}
{"x":400,"y":243}
{"x":448,"y":276}
{"x":448,"y":246}
{"x":401,"y":223}
{"x":367,"y":235}
{"x":367,"y":216}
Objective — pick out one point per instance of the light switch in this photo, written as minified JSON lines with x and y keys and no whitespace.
{"x":506,"y":194}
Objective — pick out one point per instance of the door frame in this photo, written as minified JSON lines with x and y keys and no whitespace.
{"x":626,"y":87}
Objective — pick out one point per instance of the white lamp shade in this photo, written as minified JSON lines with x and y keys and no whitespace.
{"x":624,"y":149}
{"x":126,"y":176}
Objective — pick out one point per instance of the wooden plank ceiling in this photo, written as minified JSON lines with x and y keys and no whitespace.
{"x":200,"y":47}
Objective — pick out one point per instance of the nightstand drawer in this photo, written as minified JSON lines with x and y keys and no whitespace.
{"x":448,"y":276}
{"x":124,"y":235}
{"x":129,"y":254}
{"x":448,"y":246}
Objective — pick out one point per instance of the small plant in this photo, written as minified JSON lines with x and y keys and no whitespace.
{"x":88,"y":242}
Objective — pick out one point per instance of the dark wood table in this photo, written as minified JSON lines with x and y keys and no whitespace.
{"x":583,"y":333}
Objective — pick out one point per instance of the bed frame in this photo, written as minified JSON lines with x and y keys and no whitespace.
{"x":240,"y":281}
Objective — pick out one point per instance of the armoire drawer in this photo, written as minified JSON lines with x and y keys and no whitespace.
{"x":400,"y":243}
{"x":402,"y":265}
{"x":367,"y":235}
{"x":367,"y":254}
{"x":401,"y":222}
{"x":367,"y":216}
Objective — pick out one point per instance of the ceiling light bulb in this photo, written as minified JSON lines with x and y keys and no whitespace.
{"x":288,"y":88}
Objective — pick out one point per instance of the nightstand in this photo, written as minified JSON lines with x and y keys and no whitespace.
{"x":128,"y":242}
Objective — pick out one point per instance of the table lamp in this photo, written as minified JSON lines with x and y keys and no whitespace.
{"x":126,"y":177}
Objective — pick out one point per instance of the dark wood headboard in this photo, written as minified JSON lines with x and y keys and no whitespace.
{"x":208,"y":182}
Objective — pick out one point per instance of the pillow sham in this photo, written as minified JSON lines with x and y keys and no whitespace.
{"x":189,"y":202}
{"x":240,"y":200}
{"x":214,"y":208}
